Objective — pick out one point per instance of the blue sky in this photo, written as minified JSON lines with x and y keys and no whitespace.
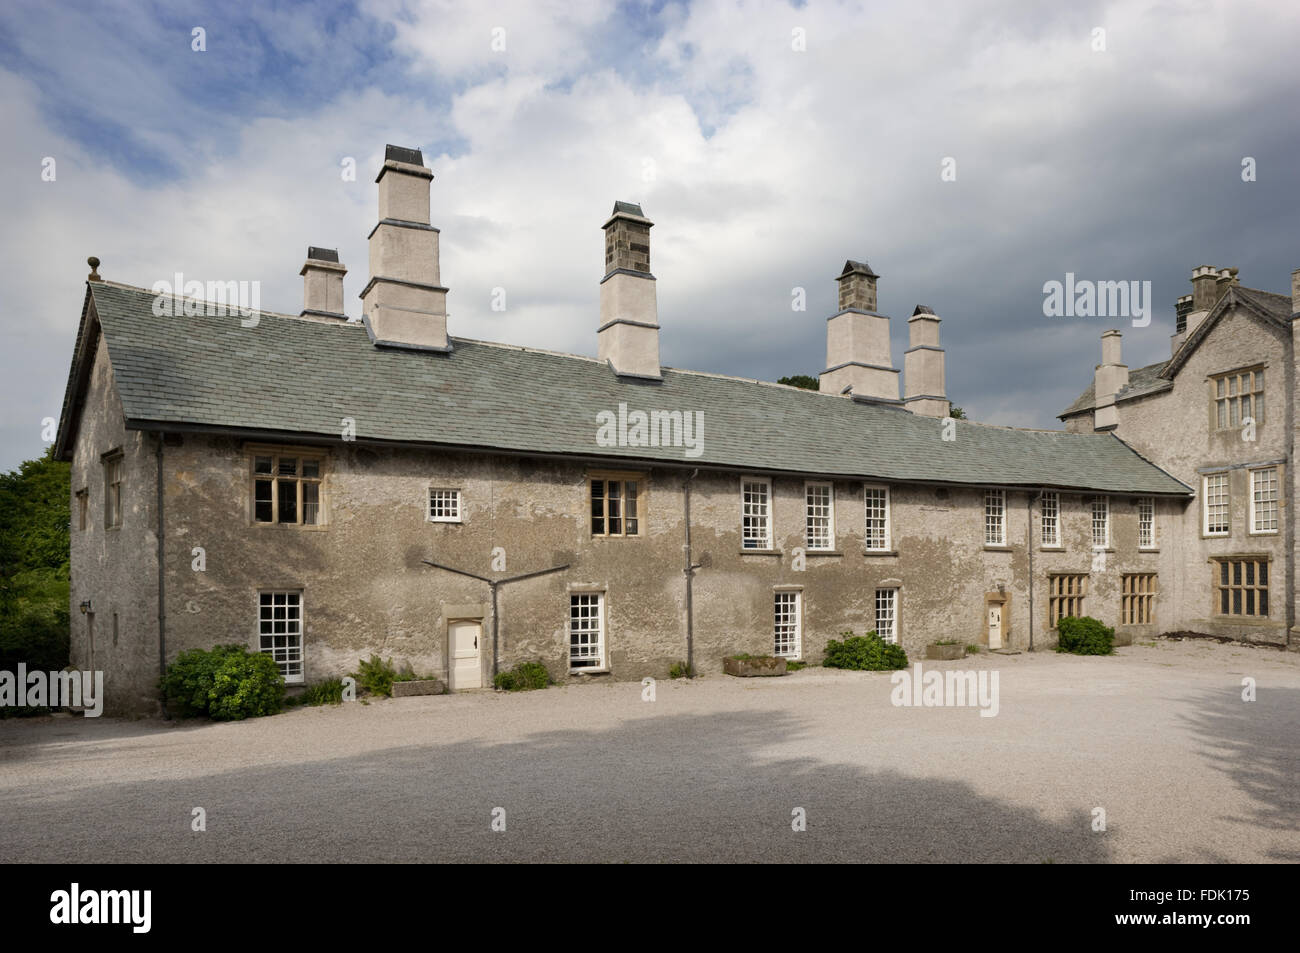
{"x":764,"y":167}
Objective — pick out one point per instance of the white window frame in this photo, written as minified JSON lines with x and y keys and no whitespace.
{"x":600,"y":658}
{"x":288,"y":662}
{"x":1101,"y":517}
{"x":1147,"y":523}
{"x":891,"y":606}
{"x":885,"y":542}
{"x":1000,"y":497}
{"x":745,"y":537}
{"x":451,"y":514}
{"x":1276,"y":501}
{"x":827,"y":541}
{"x":1226,"y":504}
{"x":791,"y":646}
{"x":1053,"y":519}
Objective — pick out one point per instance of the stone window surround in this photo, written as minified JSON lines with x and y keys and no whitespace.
{"x":1216,"y":586}
{"x":112,"y":464}
{"x":1280,"y":473}
{"x":1256,"y":394}
{"x":254,"y":450}
{"x":638,"y":477}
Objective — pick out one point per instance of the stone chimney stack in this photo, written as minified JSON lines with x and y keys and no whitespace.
{"x":857,"y":341}
{"x":924,"y":390}
{"x":322,"y":284}
{"x":628,"y":336}
{"x":1110,"y":377}
{"x":1209,"y":284}
{"x":404,"y":303}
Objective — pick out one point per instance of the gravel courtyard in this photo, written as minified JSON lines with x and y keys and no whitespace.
{"x":1158,"y":736}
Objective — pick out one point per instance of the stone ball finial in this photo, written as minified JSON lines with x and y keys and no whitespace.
{"x":93,"y":262}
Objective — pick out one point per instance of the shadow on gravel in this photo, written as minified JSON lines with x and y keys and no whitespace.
{"x":673,"y":788}
{"x":1257,"y":744}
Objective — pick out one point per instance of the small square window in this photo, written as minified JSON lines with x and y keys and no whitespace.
{"x":444,"y":506}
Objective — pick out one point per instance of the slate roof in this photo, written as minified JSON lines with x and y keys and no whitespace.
{"x":298,"y":378}
{"x":1141,"y":381}
{"x":1154,"y":378}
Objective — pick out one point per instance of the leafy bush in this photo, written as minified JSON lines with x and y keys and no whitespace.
{"x":864,"y":653}
{"x":681,"y":670}
{"x":375,"y":676}
{"x":524,"y":677}
{"x":226,"y":683}
{"x":1084,"y":636}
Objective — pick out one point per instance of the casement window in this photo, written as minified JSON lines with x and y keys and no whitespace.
{"x":586,"y":631}
{"x":995,"y":517}
{"x":1050,"y":507}
{"x":1101,"y":522}
{"x":878,"y":529}
{"x":887,"y":614}
{"x":1237,"y":396}
{"x":1214,"y":505}
{"x":787,"y":624}
{"x":756,"y":514}
{"x":1263,"y":500}
{"x":444,"y":505}
{"x":1137,"y":605}
{"x":1065,"y":594}
{"x":1243,"y":587}
{"x":819,"y":516}
{"x":279,"y":632}
{"x":287,"y":488}
{"x":1146,"y":522}
{"x":83,"y":507}
{"x":113,"y":490}
{"x":616,"y":504}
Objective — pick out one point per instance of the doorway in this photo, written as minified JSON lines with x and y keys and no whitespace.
{"x":465,"y":668}
{"x":995,"y":625}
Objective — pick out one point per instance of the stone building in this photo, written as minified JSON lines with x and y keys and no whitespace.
{"x":323,"y":489}
{"x":1219,"y":416}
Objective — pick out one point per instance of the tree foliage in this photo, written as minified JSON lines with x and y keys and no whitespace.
{"x":34,"y":515}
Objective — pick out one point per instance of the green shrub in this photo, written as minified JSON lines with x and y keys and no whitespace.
{"x":329,"y":692}
{"x":681,"y":670}
{"x":1084,"y":636}
{"x":864,"y":653}
{"x":974,"y":648}
{"x":375,"y":676}
{"x":794,"y":666}
{"x":413,"y":677}
{"x":524,"y":677}
{"x":227,"y":683}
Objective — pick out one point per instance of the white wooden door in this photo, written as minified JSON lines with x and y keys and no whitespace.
{"x":995,"y":627}
{"x":465,"y":670}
